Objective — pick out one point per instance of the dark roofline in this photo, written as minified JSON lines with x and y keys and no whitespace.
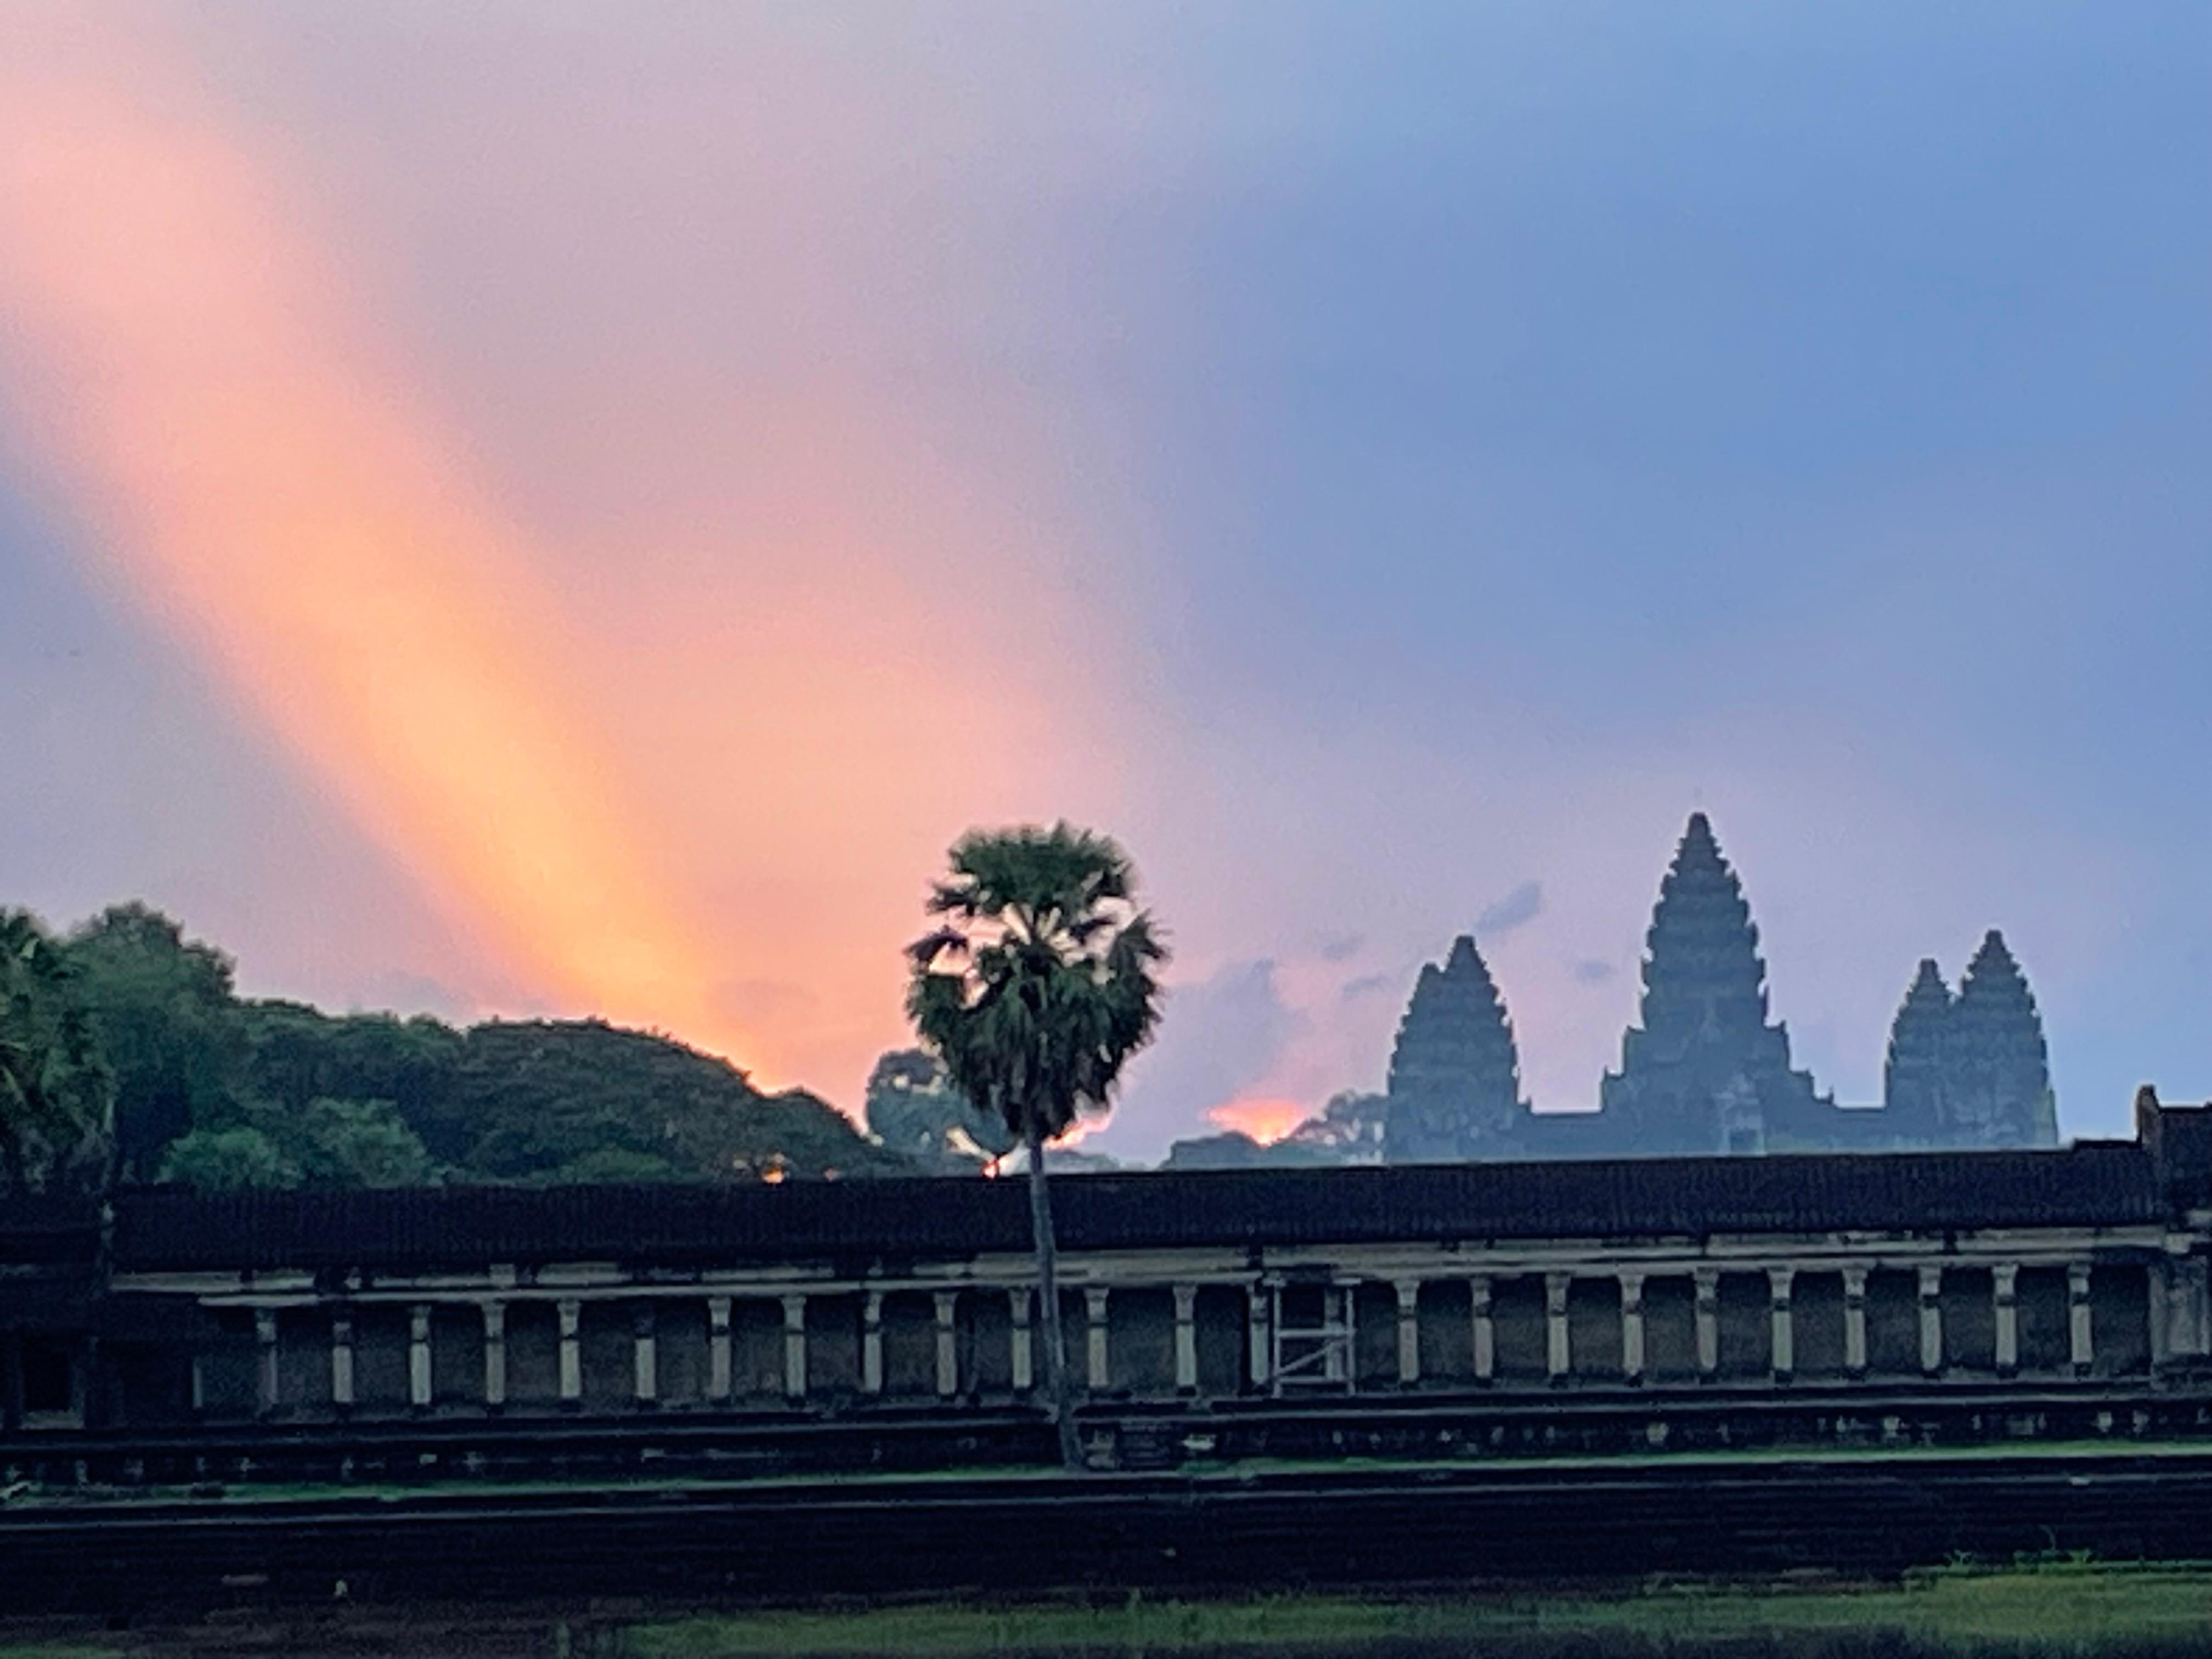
{"x":2092,"y":1184}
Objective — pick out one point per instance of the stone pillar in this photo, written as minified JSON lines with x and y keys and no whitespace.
{"x":1784,"y":1354}
{"x":1095,"y":1355}
{"x":1632,"y":1327}
{"x":946,"y":1304}
{"x":1485,"y":1331}
{"x":1258,"y":1333}
{"x":1931,"y":1319}
{"x":265,"y":1397}
{"x":1185,"y":1339}
{"x":2079,"y":1335}
{"x":871,"y":1343}
{"x":341,"y":1360}
{"x":2158,"y":1312}
{"x":1409,"y":1331}
{"x":1024,"y":1355}
{"x":1558,"y":1355}
{"x":571,"y":1313}
{"x":721,"y":1371}
{"x":495,"y":1345}
{"x":1854,"y":1329}
{"x":1707,"y":1281}
{"x":794,"y":1348}
{"x":2004,"y":1282}
{"x":418,"y":1356}
{"x":645,"y":1354}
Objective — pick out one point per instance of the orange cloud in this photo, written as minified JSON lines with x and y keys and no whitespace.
{"x":690,"y":771}
{"x":1265,"y":1120}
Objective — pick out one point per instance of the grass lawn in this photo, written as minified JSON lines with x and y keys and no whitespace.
{"x":2058,"y":1609}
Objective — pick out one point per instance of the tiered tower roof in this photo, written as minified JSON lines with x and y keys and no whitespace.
{"x":1454,"y":1085}
{"x":2002,"y":1090}
{"x":1917,"y":1073}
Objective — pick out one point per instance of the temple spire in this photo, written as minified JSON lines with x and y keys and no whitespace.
{"x":1705,"y":1069}
{"x":1999,"y":1091}
{"x":1915,"y":1076}
{"x":1454,"y":1089}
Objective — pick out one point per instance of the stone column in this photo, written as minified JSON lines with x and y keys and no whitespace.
{"x":2004,"y":1284}
{"x":266,"y":1396}
{"x":1632,"y":1327}
{"x":571,"y":1313}
{"x":1486,"y":1330}
{"x":2158,"y":1312}
{"x":2078,"y":1331}
{"x":418,"y":1356}
{"x":1854,"y":1329}
{"x":495,"y":1345}
{"x":1931,"y":1319}
{"x":946,"y":1304}
{"x":1558,"y":1354}
{"x":341,"y":1360}
{"x":1409,"y":1331}
{"x":645,"y":1354}
{"x":1258,"y":1337}
{"x":1707,"y":1281}
{"x":1784,"y":1346}
{"x":721,"y":1379}
{"x":1024,"y":1354}
{"x":1185,"y":1339}
{"x":871,"y":1343}
{"x":794,"y":1348}
{"x":1095,"y":1355}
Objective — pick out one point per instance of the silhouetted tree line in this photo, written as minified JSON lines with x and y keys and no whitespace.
{"x":126,"y":1053}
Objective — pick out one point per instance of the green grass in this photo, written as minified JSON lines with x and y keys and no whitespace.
{"x":2067,"y":1609}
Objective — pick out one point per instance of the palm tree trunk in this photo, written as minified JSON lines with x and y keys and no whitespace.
{"x":1057,"y":1393}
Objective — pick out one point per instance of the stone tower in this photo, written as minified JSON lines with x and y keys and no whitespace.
{"x":1705,"y":1070}
{"x":1455,"y":1088}
{"x":1917,"y":1077}
{"x":1998,"y":1084}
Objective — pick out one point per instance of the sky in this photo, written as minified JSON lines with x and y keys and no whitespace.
{"x":569,"y":508}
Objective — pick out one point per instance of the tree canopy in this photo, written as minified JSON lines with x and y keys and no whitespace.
{"x":222,"y":1090}
{"x":57,"y":1094}
{"x":914,"y":1110}
{"x":1044,"y":977}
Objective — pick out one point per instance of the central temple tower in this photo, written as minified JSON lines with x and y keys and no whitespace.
{"x":1705,"y":1070}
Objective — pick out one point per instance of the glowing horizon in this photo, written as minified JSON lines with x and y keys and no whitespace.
{"x":220,"y":404}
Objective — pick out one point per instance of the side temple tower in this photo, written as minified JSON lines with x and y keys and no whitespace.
{"x":1705,"y":1070}
{"x":1455,"y":1088}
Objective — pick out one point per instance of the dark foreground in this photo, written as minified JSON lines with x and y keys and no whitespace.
{"x":2043,"y":1609}
{"x":1297,"y":1529}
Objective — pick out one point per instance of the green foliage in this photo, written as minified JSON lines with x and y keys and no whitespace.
{"x":166,"y":1019}
{"x":57,"y":1095}
{"x":1043,"y":979}
{"x":297,"y":1054}
{"x":227,"y":1160}
{"x":357,"y":1143}
{"x":221,"y":1092}
{"x":914,"y":1110}
{"x":538,"y":1097}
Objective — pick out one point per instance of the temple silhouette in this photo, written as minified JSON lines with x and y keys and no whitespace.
{"x":1706,"y":1069}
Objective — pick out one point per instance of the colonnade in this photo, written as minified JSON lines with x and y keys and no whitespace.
{"x":1299,"y":1331}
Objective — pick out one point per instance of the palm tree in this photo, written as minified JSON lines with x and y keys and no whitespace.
{"x":57,"y":1094}
{"x":1041,"y":982}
